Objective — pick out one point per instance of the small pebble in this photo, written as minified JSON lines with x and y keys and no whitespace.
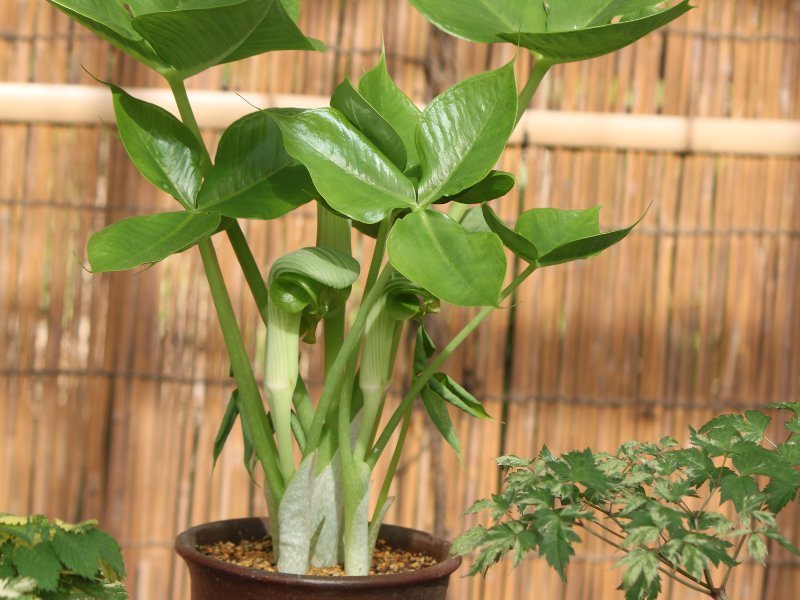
{"x":257,"y":554}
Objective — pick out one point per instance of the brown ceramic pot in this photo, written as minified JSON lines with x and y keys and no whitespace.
{"x":216,"y":580}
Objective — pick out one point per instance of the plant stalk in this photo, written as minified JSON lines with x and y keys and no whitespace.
{"x":540,"y":68}
{"x":252,"y":274}
{"x":434,"y":365}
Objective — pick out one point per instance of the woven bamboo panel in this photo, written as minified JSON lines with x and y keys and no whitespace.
{"x":111,"y":387}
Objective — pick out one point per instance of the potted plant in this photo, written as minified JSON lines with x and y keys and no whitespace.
{"x":374,"y":162}
{"x":689,"y":514}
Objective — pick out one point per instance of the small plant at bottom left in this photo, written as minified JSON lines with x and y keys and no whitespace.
{"x":52,"y":560}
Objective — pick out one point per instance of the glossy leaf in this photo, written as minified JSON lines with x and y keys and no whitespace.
{"x":277,"y":31}
{"x":512,"y":240}
{"x":366,"y":119}
{"x":463,"y":132}
{"x":112,"y":22}
{"x":550,"y":228}
{"x":453,"y":393}
{"x":253,"y":177}
{"x":482,"y":20}
{"x":377,"y":87}
{"x":190,"y":40}
{"x":144,"y":240}
{"x":463,"y":268}
{"x":162,"y":148}
{"x":436,"y":408}
{"x":353,"y":176}
{"x":589,"y":32}
{"x":495,"y":185}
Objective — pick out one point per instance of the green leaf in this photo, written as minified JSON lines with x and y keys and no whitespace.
{"x":742,"y":491}
{"x":780,"y":493}
{"x":757,"y":548}
{"x":148,"y":239}
{"x":162,"y":148}
{"x":369,"y":121}
{"x":226,"y":426}
{"x":111,"y":22}
{"x":377,"y":87}
{"x":110,"y":556}
{"x":277,"y":31}
{"x":557,"y":538}
{"x":468,"y":541}
{"x":253,"y":177}
{"x":482,"y":20}
{"x":192,"y":39}
{"x":565,"y":235}
{"x":755,"y":425}
{"x":463,"y":131}
{"x":452,"y":393}
{"x":78,"y":553}
{"x":463,"y":268}
{"x":512,"y":240}
{"x":572,"y":41}
{"x":580,"y":467}
{"x":40,"y":563}
{"x":495,"y":185}
{"x":436,"y":408}
{"x":353,"y":176}
{"x":640,"y":579}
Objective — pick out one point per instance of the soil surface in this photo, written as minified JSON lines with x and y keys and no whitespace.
{"x":257,"y":554}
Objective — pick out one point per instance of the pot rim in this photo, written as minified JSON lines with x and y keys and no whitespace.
{"x":187,"y":550}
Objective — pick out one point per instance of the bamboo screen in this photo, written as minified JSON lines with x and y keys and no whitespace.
{"x":111,"y":387}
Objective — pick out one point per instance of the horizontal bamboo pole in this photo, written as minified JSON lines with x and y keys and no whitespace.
{"x":87,"y":105}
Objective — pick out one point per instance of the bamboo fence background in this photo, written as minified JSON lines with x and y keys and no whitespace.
{"x":111,"y":387}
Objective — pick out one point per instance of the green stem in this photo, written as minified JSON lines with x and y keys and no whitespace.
{"x":727,"y":576}
{"x":377,"y":254}
{"x":252,"y":274}
{"x":333,"y":232}
{"x":392,"y":469}
{"x":250,"y":402}
{"x":540,"y":69}
{"x":434,"y":365}
{"x":338,"y":371}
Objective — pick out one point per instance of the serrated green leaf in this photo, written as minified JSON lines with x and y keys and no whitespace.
{"x":468,"y":541}
{"x":580,"y":467}
{"x":162,"y":148}
{"x":556,"y":539}
{"x":462,"y":268}
{"x":353,"y":176}
{"x":757,"y":548}
{"x":148,"y":239}
{"x":78,"y":553}
{"x":640,"y":579}
{"x":110,"y":555}
{"x":40,"y":563}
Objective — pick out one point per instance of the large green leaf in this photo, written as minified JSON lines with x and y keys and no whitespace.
{"x":277,"y":31}
{"x":192,"y":39}
{"x":377,"y":87}
{"x":369,"y":121}
{"x":582,"y":30}
{"x":565,"y":235}
{"x":149,"y":239}
{"x":40,"y":563}
{"x":463,"y":132}
{"x":482,"y":20}
{"x":463,"y":268}
{"x":162,"y":148}
{"x":253,"y":177}
{"x":112,"y":22}
{"x":353,"y":176}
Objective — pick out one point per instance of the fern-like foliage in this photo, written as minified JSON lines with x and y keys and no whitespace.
{"x":669,"y":510}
